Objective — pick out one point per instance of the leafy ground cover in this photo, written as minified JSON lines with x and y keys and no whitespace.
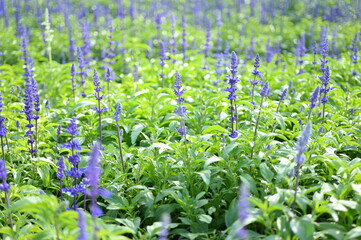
{"x":180,"y":119}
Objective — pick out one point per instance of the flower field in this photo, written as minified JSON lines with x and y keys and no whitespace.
{"x":180,"y":119}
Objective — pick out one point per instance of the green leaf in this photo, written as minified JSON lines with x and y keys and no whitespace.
{"x":303,"y":227}
{"x":211,"y":160}
{"x":266,"y":172}
{"x":206,"y":176}
{"x":354,"y":233}
{"x":205,"y":218}
{"x":136,"y":131}
{"x":214,"y":129}
{"x":162,"y":147}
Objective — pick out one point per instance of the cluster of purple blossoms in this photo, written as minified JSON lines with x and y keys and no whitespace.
{"x":92,"y":174}
{"x":219,"y":69}
{"x":325,"y":78}
{"x":97,"y":94}
{"x":86,"y":48}
{"x":180,"y":110}
{"x":31,"y":97}
{"x":4,"y":186}
{"x":354,"y":54}
{"x":73,"y":83}
{"x":302,"y":144}
{"x":82,"y":70}
{"x":257,"y":76}
{"x":233,"y":80}
{"x":243,"y":210}
{"x":301,"y":52}
{"x":75,"y":173}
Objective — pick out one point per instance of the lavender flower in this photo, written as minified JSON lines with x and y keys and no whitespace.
{"x":92,"y":173}
{"x":301,"y":52}
{"x":60,"y":174}
{"x":31,"y":97}
{"x":5,"y":186}
{"x":73,"y":145}
{"x":219,"y":69}
{"x":233,"y":80}
{"x":314,"y":97}
{"x":109,"y":77}
{"x":86,"y":48}
{"x":61,"y":168}
{"x":73,"y":83}
{"x":180,"y":110}
{"x":301,"y":147}
{"x":324,"y":53}
{"x":257,"y":74}
{"x":164,"y":232}
{"x":325,"y":78}
{"x":82,"y":226}
{"x":315,"y":51}
{"x":243,"y":209}
{"x":265,"y":91}
{"x":82,"y":70}
{"x":98,"y":97}
{"x":283,"y":94}
{"x":354,"y":55}
{"x":207,"y":47}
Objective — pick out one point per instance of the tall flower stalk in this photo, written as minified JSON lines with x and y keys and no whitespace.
{"x":256,"y":78}
{"x":29,"y":96}
{"x":117,"y":113}
{"x":243,"y":210}
{"x":354,"y":56}
{"x":233,"y":80}
{"x":180,"y":110}
{"x":5,"y":187}
{"x":325,"y":78}
{"x":265,"y":91}
{"x":82,"y":225}
{"x":313,"y":101}
{"x":92,"y":173}
{"x":98,"y":97}
{"x":82,"y":71}
{"x":300,"y":159}
{"x":2,"y":127}
{"x":60,"y":175}
{"x":72,"y":79}
{"x":75,"y":173}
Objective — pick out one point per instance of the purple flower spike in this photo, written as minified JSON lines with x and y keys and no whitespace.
{"x":243,"y":209}
{"x":4,"y":186}
{"x":233,"y":80}
{"x":314,"y":97}
{"x":92,"y":173}
{"x":302,"y":143}
{"x":82,"y":226}
{"x":265,"y":91}
{"x":180,"y":110}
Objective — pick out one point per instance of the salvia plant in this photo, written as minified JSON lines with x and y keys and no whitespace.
{"x":232,"y":81}
{"x":301,"y":147}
